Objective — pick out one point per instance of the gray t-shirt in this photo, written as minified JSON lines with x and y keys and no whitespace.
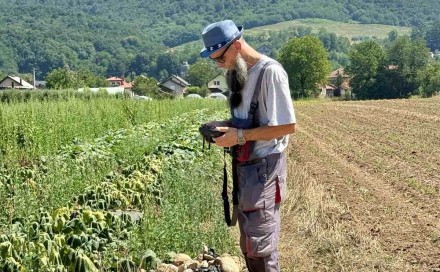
{"x":275,"y":105}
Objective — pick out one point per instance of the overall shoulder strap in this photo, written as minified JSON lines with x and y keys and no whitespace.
{"x":254,"y":101}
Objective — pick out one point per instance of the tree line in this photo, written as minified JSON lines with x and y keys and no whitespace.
{"x":398,"y":67}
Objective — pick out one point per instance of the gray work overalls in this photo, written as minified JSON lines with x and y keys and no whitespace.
{"x":260,"y":186}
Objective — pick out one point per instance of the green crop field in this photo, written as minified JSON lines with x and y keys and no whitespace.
{"x":107,"y":184}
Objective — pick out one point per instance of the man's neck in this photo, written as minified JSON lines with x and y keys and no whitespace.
{"x":252,"y":58}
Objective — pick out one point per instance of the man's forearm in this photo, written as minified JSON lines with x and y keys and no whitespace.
{"x":268,"y":132}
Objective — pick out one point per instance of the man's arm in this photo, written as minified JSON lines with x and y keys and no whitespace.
{"x":268,"y":132}
{"x":255,"y":134}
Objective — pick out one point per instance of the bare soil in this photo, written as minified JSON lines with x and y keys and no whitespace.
{"x":364,"y":187}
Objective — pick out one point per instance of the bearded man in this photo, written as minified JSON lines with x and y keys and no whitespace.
{"x":258,"y":133}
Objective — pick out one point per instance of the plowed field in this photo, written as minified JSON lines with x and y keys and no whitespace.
{"x":364,"y":187}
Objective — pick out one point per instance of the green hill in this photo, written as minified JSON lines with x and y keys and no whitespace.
{"x":111,"y":37}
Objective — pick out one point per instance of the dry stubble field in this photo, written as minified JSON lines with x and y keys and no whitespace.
{"x":364,"y":187}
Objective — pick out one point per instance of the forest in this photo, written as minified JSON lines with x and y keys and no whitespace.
{"x":122,"y":38}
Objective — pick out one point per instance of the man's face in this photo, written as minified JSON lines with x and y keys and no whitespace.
{"x":225,"y":58}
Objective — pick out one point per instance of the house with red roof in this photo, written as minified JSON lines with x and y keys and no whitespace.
{"x":120,"y":82}
{"x":339,"y":83}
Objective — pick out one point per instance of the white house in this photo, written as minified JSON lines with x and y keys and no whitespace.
{"x":218,"y":84}
{"x":14,"y":82}
{"x":175,"y":85}
{"x":110,"y":90}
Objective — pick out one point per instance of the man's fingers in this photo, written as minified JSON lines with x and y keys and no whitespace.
{"x":222,"y":129}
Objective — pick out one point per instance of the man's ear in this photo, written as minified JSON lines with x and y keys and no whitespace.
{"x":237,"y":45}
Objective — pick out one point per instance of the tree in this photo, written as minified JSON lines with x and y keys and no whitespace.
{"x":408,"y":57}
{"x":202,"y":91}
{"x":61,"y":78}
{"x":64,"y":78}
{"x":429,"y":79}
{"x":418,"y":32}
{"x":201,"y":72}
{"x":306,"y":62}
{"x":388,"y":84}
{"x":376,"y":75}
{"x":148,"y":86}
{"x":392,"y":35}
{"x":167,"y":64}
{"x":366,"y":58}
{"x":433,"y":36}
{"x":143,"y":63}
{"x":86,"y":78}
{"x":7,"y":61}
{"x":100,"y":81}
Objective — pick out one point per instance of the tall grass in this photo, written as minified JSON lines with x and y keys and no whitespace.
{"x":35,"y":133}
{"x":37,"y":128}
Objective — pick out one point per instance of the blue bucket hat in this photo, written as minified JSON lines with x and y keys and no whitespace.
{"x":218,"y":35}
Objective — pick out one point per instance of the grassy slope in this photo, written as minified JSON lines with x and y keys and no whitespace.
{"x":348,"y":30}
{"x":340,"y":28}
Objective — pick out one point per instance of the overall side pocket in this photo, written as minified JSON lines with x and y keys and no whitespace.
{"x":252,"y":179}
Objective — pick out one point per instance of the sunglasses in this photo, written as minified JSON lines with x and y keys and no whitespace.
{"x":221,"y":58}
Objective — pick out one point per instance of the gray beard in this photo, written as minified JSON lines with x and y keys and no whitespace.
{"x":236,"y":79}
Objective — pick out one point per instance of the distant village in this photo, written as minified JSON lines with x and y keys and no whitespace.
{"x":338,"y":84}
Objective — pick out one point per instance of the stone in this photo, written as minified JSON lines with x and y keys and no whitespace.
{"x":180,"y":259}
{"x":167,"y":268}
{"x":239,"y":261}
{"x":204,"y":264}
{"x":228,"y":264}
{"x":208,"y":257}
{"x":192,"y":264}
{"x":205,"y":250}
{"x":200,"y":257}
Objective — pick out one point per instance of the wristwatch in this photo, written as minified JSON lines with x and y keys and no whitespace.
{"x":240,"y":137}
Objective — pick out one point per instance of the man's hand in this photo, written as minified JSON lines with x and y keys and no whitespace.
{"x":228,"y":139}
